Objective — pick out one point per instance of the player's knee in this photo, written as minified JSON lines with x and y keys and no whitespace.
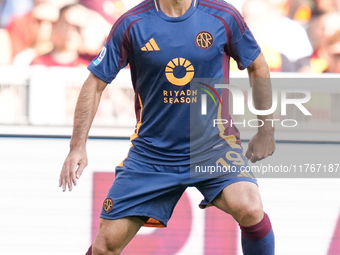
{"x":245,"y":203}
{"x":102,"y":249}
{"x":248,"y":213}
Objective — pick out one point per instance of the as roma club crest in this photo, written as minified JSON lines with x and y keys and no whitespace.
{"x":204,"y":40}
{"x":107,"y":205}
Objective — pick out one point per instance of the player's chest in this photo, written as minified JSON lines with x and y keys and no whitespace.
{"x":157,"y":45}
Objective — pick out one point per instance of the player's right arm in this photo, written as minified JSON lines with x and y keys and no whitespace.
{"x":86,"y":109}
{"x":112,"y":58}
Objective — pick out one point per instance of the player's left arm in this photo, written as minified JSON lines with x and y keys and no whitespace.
{"x":262,"y":144}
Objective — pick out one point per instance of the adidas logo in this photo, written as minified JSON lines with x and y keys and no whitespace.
{"x":151,"y":46}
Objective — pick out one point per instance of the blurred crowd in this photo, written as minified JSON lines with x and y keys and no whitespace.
{"x":295,"y":35}
{"x":67,"y":33}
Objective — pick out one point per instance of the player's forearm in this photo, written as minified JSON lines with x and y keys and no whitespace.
{"x":259,"y":75}
{"x":85,"y":111}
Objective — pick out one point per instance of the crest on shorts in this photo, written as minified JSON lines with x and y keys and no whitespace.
{"x":204,"y":40}
{"x":107,"y":205}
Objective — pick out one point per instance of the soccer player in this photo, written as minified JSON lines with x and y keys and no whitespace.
{"x":167,"y":43}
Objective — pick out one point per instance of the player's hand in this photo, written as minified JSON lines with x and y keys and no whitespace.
{"x":261,"y":146}
{"x":73,"y":167}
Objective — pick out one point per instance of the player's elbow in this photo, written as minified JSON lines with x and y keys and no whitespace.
{"x":259,"y":68}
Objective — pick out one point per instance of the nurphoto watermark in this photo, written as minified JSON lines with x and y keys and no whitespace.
{"x":239,"y":106}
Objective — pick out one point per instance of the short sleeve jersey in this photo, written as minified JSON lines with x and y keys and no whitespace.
{"x":165,"y":54}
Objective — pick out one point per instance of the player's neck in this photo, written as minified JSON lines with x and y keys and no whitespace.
{"x":174,"y":8}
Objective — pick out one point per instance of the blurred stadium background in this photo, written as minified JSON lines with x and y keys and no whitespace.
{"x":301,"y":41}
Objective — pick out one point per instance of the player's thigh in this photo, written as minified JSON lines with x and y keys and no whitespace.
{"x":114,"y":235}
{"x":241,"y":199}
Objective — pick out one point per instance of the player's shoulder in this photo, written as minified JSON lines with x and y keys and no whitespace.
{"x":216,"y":6}
{"x":132,"y":16}
{"x":222,"y":10}
{"x":138,"y":12}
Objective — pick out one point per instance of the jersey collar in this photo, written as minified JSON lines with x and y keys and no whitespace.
{"x":186,"y":15}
